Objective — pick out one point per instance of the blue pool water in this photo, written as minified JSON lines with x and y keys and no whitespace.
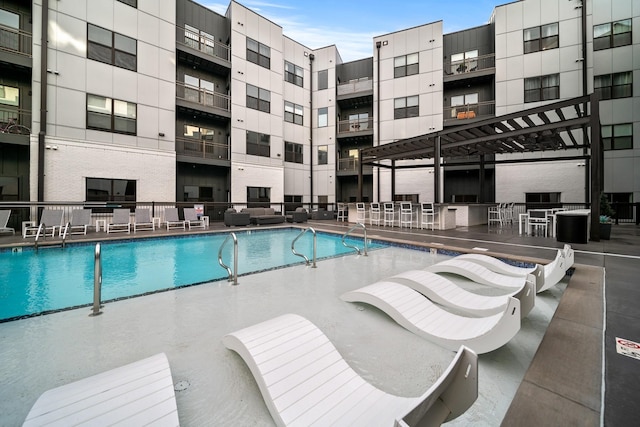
{"x":53,"y":279}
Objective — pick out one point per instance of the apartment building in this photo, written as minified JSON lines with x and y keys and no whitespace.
{"x":170,"y":101}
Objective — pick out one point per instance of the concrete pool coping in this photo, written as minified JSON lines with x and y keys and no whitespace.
{"x":381,"y":372}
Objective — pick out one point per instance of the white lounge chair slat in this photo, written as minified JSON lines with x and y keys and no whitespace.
{"x":448,"y":330}
{"x":477,"y":273}
{"x":497,"y":265}
{"x":141,"y":389}
{"x":335,"y":395}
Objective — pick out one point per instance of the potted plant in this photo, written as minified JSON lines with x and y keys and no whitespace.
{"x":606,"y":212}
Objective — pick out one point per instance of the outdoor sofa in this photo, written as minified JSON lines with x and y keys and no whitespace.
{"x":260,"y":216}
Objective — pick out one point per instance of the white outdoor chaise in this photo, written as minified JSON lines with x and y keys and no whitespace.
{"x":120,"y":221}
{"x":50,"y":221}
{"x":419,"y":315}
{"x":172,"y":220}
{"x":143,"y":221}
{"x":80,"y":221}
{"x":192,"y":219}
{"x":4,"y":220}
{"x":552,"y":272}
{"x":442,"y":291}
{"x":481,"y":274}
{"x":305,"y":381}
{"x":137,"y":394}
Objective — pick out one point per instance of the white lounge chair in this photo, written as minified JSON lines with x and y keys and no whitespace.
{"x":140,"y":393}
{"x":4,"y":220}
{"x":120,"y":221}
{"x":172,"y":220}
{"x":480,"y":274}
{"x":419,"y":315}
{"x":444,"y":292}
{"x":80,"y":221}
{"x":305,"y":381}
{"x":50,"y":220}
{"x":143,"y":221}
{"x":192,"y":219}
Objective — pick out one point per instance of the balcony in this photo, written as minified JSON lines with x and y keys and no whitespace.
{"x":17,"y":45}
{"x":215,"y":103}
{"x":350,"y":165}
{"x":460,"y":114}
{"x":355,"y":87}
{"x":202,"y":149}
{"x":15,"y":125}
{"x":200,"y":50}
{"x":355,"y":127}
{"x":469,"y":67}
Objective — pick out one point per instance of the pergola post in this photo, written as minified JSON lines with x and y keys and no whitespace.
{"x":597,"y":175}
{"x":436,"y":171}
{"x":481,"y":198}
{"x":360,"y":174}
{"x":393,"y":180}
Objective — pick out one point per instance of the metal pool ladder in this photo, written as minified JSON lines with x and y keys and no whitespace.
{"x":315,"y":238}
{"x":344,"y":236}
{"x":233,"y":275}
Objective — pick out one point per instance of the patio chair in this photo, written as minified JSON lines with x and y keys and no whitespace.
{"x":538,"y":221}
{"x":304,"y":380}
{"x":483,"y":275}
{"x":50,"y":221}
{"x":143,"y":221}
{"x":80,"y":221}
{"x":120,"y":221}
{"x":496,"y":214}
{"x":375,"y":215}
{"x":4,"y":220}
{"x":427,"y":215}
{"x":140,"y":393}
{"x":191,"y":219}
{"x":172,"y":220}
{"x":447,"y":293}
{"x":418,"y":314}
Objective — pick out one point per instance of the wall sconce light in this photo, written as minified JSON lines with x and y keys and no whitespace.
{"x":385,"y":42}
{"x":161,"y":134}
{"x":51,"y":147}
{"x":240,"y":169}
{"x":580,"y":165}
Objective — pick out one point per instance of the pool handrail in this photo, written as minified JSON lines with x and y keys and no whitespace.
{"x":344,"y":236}
{"x":38,"y":236}
{"x":64,"y":233}
{"x":97,"y":281}
{"x":233,"y":276}
{"x":315,"y":241}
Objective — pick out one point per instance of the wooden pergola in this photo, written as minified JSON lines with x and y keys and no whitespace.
{"x":565,"y":125}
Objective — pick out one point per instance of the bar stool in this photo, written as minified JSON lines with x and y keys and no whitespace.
{"x":361,"y":213}
{"x":427,"y":215}
{"x":389,"y":214}
{"x":406,"y":214}
{"x":342,"y":212}
{"x":374,"y":213}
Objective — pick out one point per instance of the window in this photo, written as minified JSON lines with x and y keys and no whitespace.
{"x":198,"y":90}
{"x":323,"y":117}
{"x":613,"y":86}
{"x":258,"y":144}
{"x":406,"y":107}
{"x":541,"y":38}
{"x":358,"y":121}
{"x":258,"y":53}
{"x":258,"y":98}
{"x":323,"y":79}
{"x":464,"y":62}
{"x":111,"y":48}
{"x":405,"y":65}
{"x":542,"y":200}
{"x":259,"y":196}
{"x":111,"y":190}
{"x":293,"y":74}
{"x":292,"y":152}
{"x":193,"y":193}
{"x":323,"y":154}
{"x":9,"y":95}
{"x":292,"y":202}
{"x":9,"y":189}
{"x":464,"y":106}
{"x":133,"y":3}
{"x":612,"y":34}
{"x":9,"y":37}
{"x":617,"y":137}
{"x":111,"y":115}
{"x":293,"y":113}
{"x":542,"y":88}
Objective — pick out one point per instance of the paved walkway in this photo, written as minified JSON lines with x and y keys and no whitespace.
{"x":564,"y":382}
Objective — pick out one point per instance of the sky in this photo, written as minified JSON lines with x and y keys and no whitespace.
{"x":351,"y":25}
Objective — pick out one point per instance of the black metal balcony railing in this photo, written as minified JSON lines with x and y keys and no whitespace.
{"x":470,"y":111}
{"x":15,"y":120}
{"x":358,"y":125}
{"x":351,"y":164}
{"x":202,"y":148}
{"x":16,"y":41}
{"x":355,"y":87}
{"x":203,"y":43}
{"x":203,"y":96}
{"x":470,"y":65}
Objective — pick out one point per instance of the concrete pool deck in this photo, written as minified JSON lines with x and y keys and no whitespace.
{"x":51,"y":350}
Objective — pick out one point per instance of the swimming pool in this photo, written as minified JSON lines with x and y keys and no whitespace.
{"x":54,"y":279}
